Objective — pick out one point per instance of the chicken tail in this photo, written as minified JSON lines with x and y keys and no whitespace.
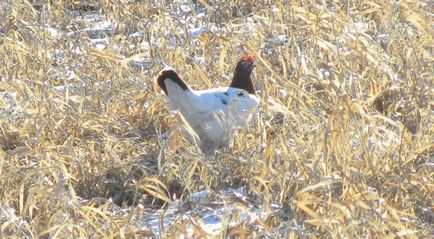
{"x":170,"y":73}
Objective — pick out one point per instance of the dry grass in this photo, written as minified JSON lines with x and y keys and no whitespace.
{"x":345,"y":147}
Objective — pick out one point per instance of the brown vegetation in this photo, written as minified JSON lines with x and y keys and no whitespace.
{"x":344,"y":147}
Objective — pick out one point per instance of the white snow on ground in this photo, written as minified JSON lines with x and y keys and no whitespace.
{"x":201,"y":210}
{"x":212,"y":213}
{"x":8,"y":105}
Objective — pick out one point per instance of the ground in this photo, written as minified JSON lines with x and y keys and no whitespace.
{"x":343,"y":148}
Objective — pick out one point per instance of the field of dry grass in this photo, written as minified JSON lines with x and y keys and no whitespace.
{"x":344,"y":148}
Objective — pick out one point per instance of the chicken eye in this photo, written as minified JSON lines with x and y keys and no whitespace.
{"x":240,"y":94}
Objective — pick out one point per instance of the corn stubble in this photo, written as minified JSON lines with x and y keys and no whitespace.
{"x":344,"y":147}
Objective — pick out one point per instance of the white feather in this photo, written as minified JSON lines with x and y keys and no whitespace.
{"x":213,"y":113}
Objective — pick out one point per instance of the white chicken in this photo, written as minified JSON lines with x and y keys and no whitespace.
{"x":213,"y":114}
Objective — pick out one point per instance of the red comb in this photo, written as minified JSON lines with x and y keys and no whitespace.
{"x":247,"y":58}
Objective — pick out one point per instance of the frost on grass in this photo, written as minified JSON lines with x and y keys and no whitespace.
{"x":343,"y":146}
